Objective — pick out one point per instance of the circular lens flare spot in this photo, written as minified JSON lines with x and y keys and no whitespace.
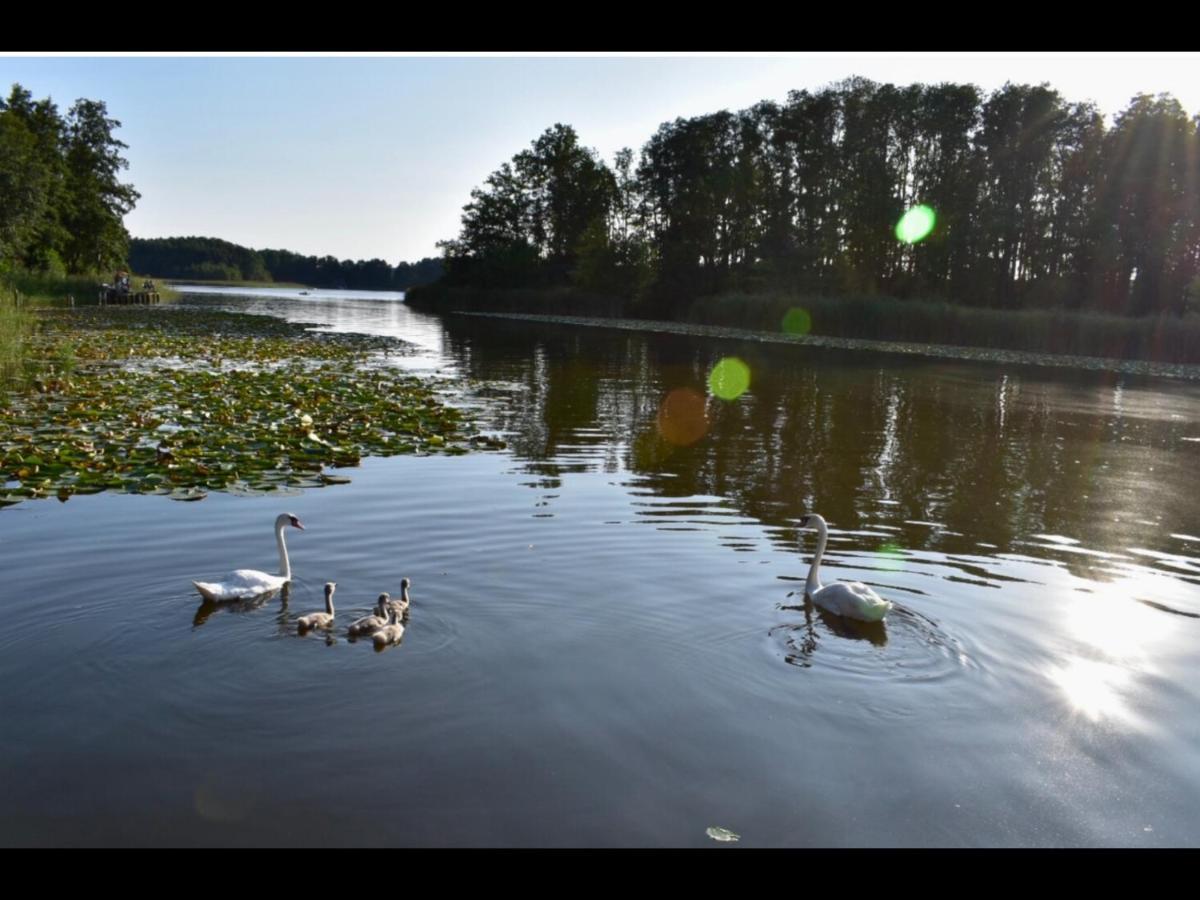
{"x":729,"y":378}
{"x":891,"y":556}
{"x":682,"y":419}
{"x":916,"y":224}
{"x":797,"y":321}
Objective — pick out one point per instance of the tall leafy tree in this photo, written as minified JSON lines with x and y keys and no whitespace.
{"x":32,"y":193}
{"x":1151,"y":203}
{"x":96,"y":199}
{"x":24,"y":189}
{"x":868,"y":183}
{"x":496,"y":244}
{"x":568,"y":190}
{"x":530,"y":221}
{"x":811,"y":125}
{"x":1017,"y":140}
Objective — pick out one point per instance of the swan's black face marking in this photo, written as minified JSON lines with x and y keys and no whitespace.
{"x":296,"y":522}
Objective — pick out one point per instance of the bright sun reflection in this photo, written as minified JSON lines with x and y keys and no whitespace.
{"x":1111,"y":621}
{"x":1122,"y":637}
{"x":1095,"y":689}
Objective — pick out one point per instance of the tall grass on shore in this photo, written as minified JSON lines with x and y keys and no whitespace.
{"x":16,"y":322}
{"x":1165,"y":338}
{"x":23,"y":292}
{"x":563,"y":301}
{"x":44,"y":289}
{"x":50,"y":290}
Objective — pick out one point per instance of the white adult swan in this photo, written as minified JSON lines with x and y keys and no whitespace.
{"x":245,"y":584}
{"x":320,"y":619}
{"x":371,"y":624}
{"x":852,"y":599}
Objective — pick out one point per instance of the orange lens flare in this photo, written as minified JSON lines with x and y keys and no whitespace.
{"x":682,"y":417}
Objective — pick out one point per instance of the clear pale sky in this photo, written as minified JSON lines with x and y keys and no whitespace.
{"x":374,"y":156}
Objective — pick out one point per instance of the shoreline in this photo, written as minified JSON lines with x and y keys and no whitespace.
{"x":1183,"y":371}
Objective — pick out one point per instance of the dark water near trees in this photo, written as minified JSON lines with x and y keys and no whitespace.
{"x":607,"y":646}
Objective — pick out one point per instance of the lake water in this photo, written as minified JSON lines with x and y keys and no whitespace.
{"x":608,"y":642}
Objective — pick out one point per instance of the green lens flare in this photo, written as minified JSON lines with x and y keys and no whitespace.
{"x":729,"y":378}
{"x":916,"y":224}
{"x":891,"y":556}
{"x":797,"y":321}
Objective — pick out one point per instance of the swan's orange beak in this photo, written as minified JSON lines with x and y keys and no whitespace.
{"x":298,"y":525}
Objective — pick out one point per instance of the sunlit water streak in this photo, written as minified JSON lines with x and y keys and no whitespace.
{"x":569,"y":679}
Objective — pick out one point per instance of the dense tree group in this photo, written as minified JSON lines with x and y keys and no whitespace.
{"x":62,"y":203}
{"x":214,"y":259}
{"x":536,"y":215}
{"x":1038,"y":203}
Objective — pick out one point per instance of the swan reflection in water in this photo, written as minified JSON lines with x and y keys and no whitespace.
{"x":804,"y":638}
{"x":208,"y":608}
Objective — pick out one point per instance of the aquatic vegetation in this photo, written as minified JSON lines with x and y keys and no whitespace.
{"x":180,"y":402}
{"x":15,"y":325}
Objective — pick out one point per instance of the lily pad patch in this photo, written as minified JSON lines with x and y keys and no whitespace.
{"x":176,"y":402}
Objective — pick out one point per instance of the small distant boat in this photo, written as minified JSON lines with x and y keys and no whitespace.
{"x":304,"y":293}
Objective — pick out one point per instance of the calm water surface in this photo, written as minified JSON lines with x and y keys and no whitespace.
{"x":608,"y":642}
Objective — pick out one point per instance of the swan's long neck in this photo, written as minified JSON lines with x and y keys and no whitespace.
{"x":329,"y":602}
{"x":285,"y":568}
{"x":813,"y":584}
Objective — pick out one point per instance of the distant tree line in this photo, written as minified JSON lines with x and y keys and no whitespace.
{"x":62,"y":202}
{"x":214,"y":259}
{"x":1038,"y":203}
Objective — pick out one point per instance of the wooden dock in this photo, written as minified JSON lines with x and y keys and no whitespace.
{"x":111,"y":296}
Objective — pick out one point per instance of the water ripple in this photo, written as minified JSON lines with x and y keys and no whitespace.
{"x":906,"y":646}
